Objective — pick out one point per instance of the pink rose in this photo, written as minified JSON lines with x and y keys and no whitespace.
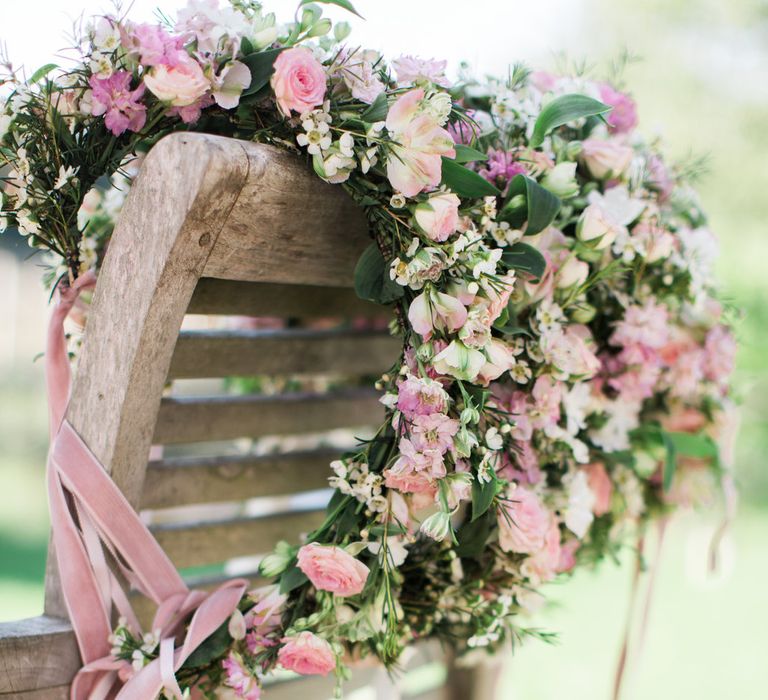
{"x":568,"y":555}
{"x":523,"y":522}
{"x":180,"y":84}
{"x":606,"y":158}
{"x":307,"y":654}
{"x":299,"y":81}
{"x":601,"y":486}
{"x":438,"y":217}
{"x":415,"y":163}
{"x":332,"y":569}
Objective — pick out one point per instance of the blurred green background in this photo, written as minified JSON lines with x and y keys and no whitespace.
{"x":702,"y":78}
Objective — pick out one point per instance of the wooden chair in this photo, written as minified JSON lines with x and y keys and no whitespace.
{"x":217,"y":226}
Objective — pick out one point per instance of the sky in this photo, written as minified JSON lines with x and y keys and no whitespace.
{"x":494,"y":34}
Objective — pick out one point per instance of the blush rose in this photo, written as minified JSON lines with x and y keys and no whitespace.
{"x":299,"y":81}
{"x":332,"y":569}
{"x":307,"y":654}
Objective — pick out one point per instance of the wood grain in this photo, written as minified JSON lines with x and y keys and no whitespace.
{"x":233,"y":298}
{"x":36,"y":654}
{"x":196,"y":544}
{"x":289,"y":226}
{"x":289,"y":351}
{"x":188,"y":480}
{"x":228,"y":417}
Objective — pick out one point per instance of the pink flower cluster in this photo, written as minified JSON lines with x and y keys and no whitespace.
{"x":423,"y":403}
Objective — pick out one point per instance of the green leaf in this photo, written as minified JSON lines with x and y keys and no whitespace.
{"x":261,"y":65}
{"x":670,"y":463}
{"x":377,"y":110}
{"x":466,"y":154}
{"x":292,"y":578}
{"x":345,"y":4}
{"x":372,"y":280}
{"x":697,"y":445}
{"x":246,"y":47}
{"x":522,"y":256}
{"x":562,"y":110}
{"x":473,"y":535}
{"x":214,"y":647}
{"x":483,"y":495}
{"x":465,"y":182}
{"x":528,"y":201}
{"x":41,"y":72}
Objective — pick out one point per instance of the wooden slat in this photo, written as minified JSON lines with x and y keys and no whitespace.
{"x":197,"y":544}
{"x":229,"y":417}
{"x":36,"y":654}
{"x":289,"y":226}
{"x":233,"y":298}
{"x":60,"y":692}
{"x":290,"y":351}
{"x":187,"y":480}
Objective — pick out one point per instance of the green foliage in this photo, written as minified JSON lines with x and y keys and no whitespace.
{"x":344,"y":4}
{"x":526,"y":258}
{"x":528,"y":201}
{"x":465,"y":182}
{"x":562,"y":110}
{"x":262,"y":66}
{"x":467,"y":154}
{"x":372,"y":281}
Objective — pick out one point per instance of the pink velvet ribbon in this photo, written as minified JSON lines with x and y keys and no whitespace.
{"x":89,"y":515}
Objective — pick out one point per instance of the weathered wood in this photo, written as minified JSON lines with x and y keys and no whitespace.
{"x":232,"y":298}
{"x":289,"y":226}
{"x":196,"y":544}
{"x":60,"y":692}
{"x":290,"y":351}
{"x":228,"y":417}
{"x":187,"y":480}
{"x":35,"y":654}
{"x":156,"y":255}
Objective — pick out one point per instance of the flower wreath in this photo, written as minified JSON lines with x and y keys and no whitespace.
{"x":565,"y":365}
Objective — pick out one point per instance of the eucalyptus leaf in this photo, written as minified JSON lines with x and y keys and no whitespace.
{"x":670,"y":463}
{"x":344,"y":4}
{"x":522,"y":256}
{"x":465,"y":182}
{"x":562,"y":110}
{"x":467,"y":154}
{"x":539,"y":209}
{"x":261,"y":65}
{"x":372,"y":281}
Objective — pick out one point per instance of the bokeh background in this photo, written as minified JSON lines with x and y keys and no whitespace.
{"x":701,"y":81}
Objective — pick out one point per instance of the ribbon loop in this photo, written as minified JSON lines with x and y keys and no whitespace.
{"x":88,"y":515}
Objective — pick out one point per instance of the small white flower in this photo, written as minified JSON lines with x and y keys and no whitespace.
{"x":521,"y":372}
{"x":106,"y":35}
{"x":397,"y":201}
{"x":64,"y":175}
{"x":346,"y":145}
{"x":493,"y":439}
{"x":101,"y":65}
